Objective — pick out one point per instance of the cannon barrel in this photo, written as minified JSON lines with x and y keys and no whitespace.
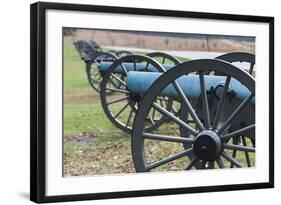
{"x":129,"y":66}
{"x":139,"y":82}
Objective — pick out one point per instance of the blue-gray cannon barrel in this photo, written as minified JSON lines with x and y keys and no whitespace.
{"x":129,"y":66}
{"x":139,"y":82}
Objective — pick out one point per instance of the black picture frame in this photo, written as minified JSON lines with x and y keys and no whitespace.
{"x":38,"y":100}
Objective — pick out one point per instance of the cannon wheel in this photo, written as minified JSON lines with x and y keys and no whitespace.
{"x":122,"y":117}
{"x":212,"y":129}
{"x":94,"y":75}
{"x":231,"y":58}
{"x":240,"y":57}
{"x":163,"y":58}
{"x":251,"y":59}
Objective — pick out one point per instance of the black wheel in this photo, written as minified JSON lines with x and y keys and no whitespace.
{"x":94,"y":75}
{"x":245,"y":61}
{"x":240,"y":57}
{"x":122,"y":105}
{"x":217,"y":117}
{"x":164,"y":58}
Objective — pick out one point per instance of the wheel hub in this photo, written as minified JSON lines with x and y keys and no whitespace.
{"x":135,"y":97}
{"x":207,"y":145}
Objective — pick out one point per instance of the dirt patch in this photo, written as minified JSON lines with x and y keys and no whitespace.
{"x":81,"y":138}
{"x":107,"y":157}
{"x":80,"y":99}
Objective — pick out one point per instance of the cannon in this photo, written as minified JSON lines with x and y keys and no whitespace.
{"x":89,"y":49}
{"x":121,"y":106}
{"x":93,"y":55}
{"x":86,"y":49}
{"x":216,"y":117}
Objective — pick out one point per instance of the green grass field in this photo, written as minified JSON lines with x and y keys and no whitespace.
{"x":88,"y":134}
{"x":92,"y":144}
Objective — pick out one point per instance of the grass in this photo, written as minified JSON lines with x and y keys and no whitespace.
{"x":90,"y":140}
{"x":92,"y":144}
{"x":81,"y":102}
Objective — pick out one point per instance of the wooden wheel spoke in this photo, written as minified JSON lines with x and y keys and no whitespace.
{"x":118,"y":79}
{"x":241,"y":131}
{"x":222,"y":97}
{"x":168,"y":138}
{"x":239,"y":147}
{"x":130,"y":115}
{"x":246,"y":153}
{"x":192,"y":163}
{"x":123,"y":68}
{"x":135,"y":65}
{"x":118,"y":90}
{"x":175,"y":119}
{"x":169,"y":159}
{"x":204,"y":100}
{"x":187,"y":104}
{"x":163,"y":60}
{"x":118,"y":100}
{"x":146,"y":67}
{"x":151,"y":119}
{"x":220,"y":163}
{"x":231,"y":160}
{"x":251,"y":68}
{"x":235,"y":113}
{"x":121,"y":110}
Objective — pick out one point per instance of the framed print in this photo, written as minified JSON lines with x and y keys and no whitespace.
{"x":129,"y":102}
